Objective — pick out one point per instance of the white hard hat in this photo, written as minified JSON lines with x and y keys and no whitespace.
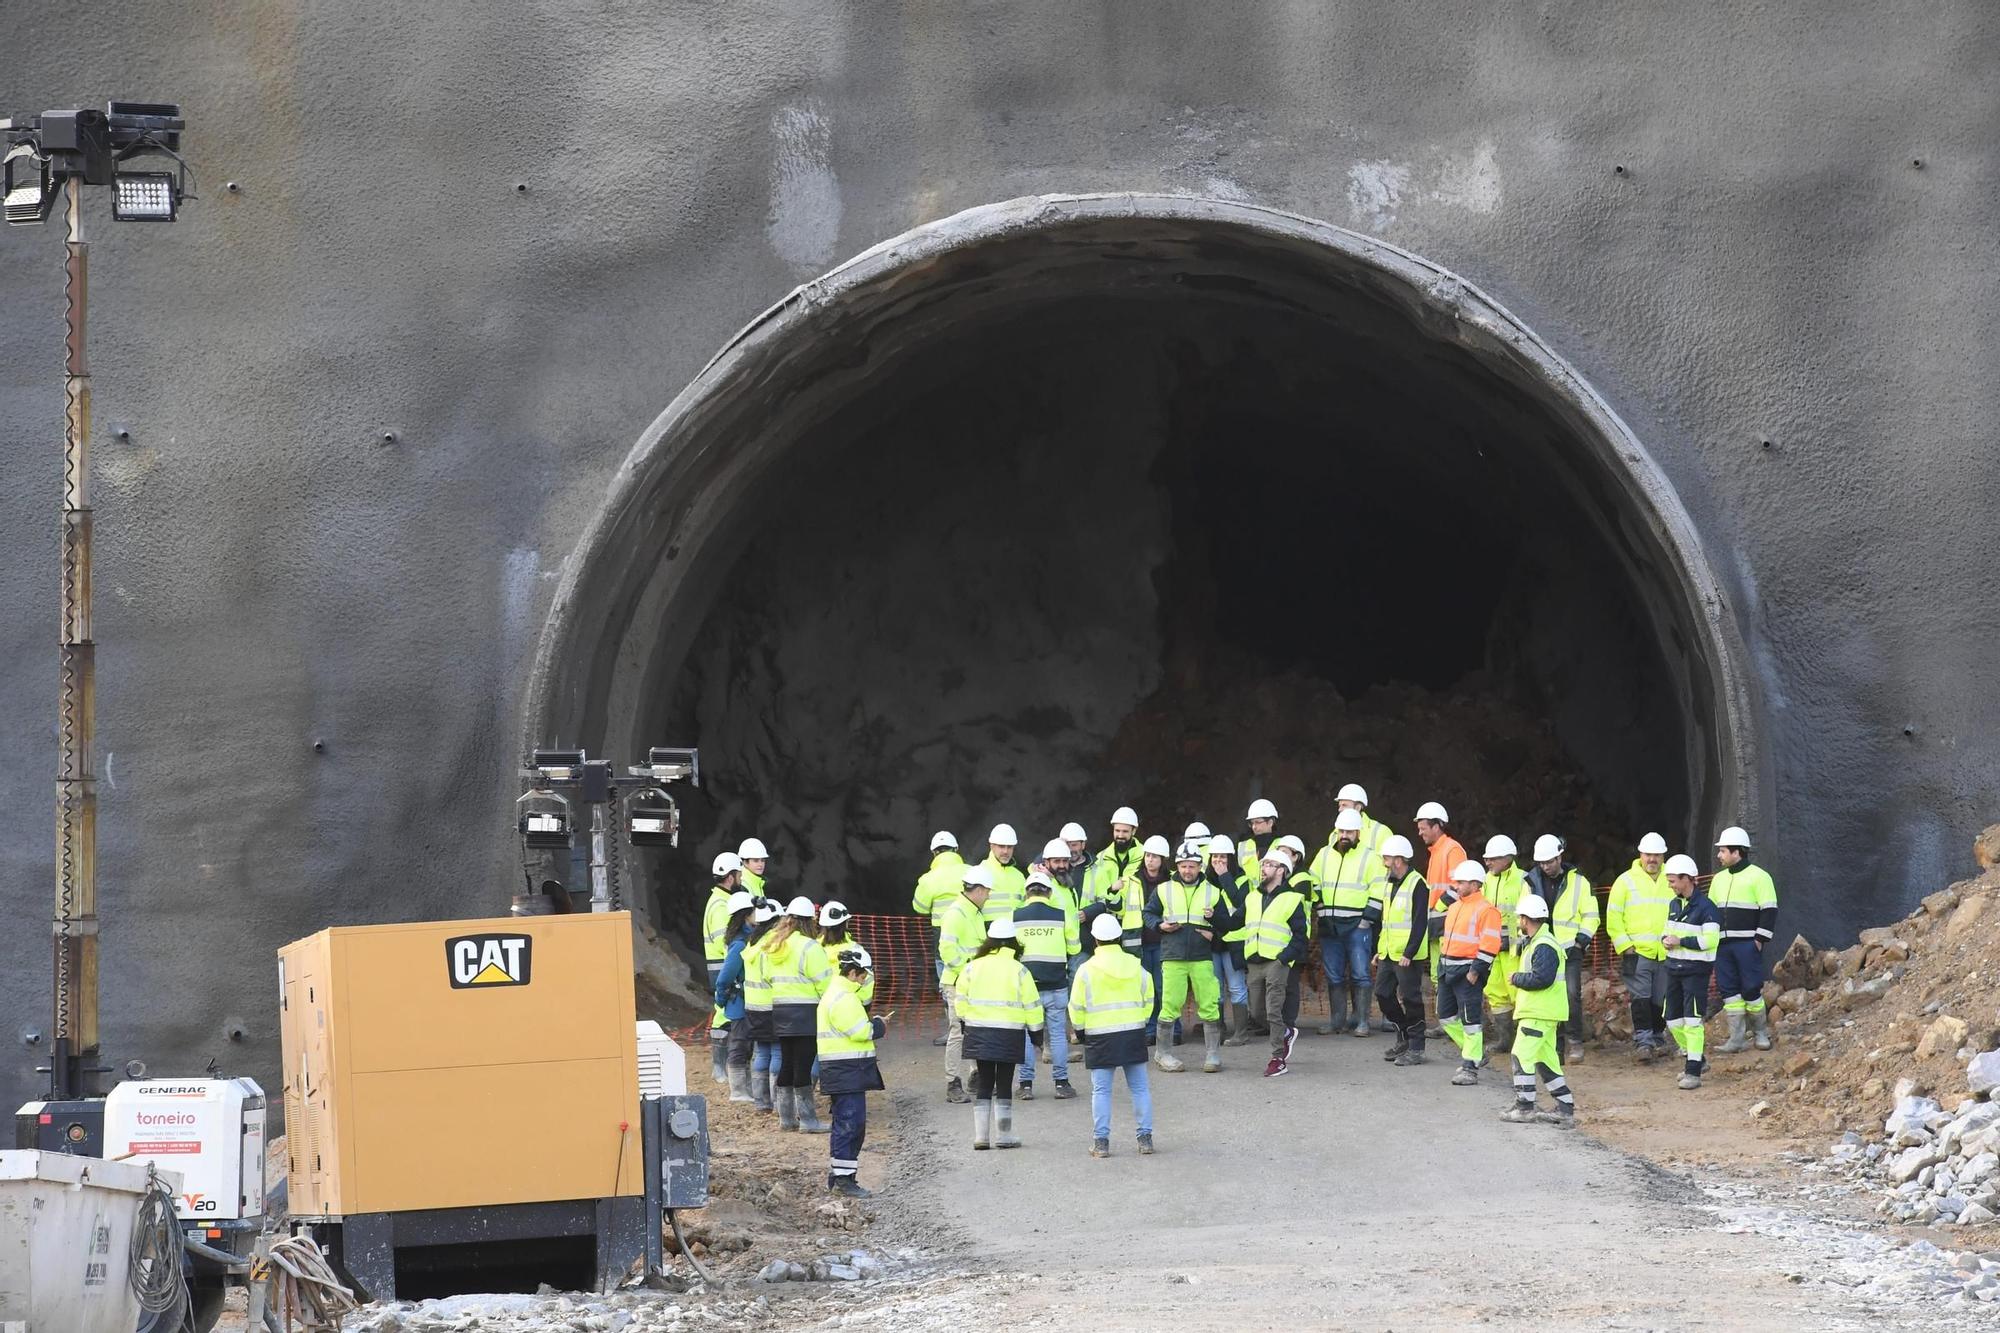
{"x":741,"y":900}
{"x":1294,"y":844}
{"x":1398,"y":845}
{"x":767,"y":910}
{"x":1261,"y":809}
{"x":1548,"y":847}
{"x":1040,"y":878}
{"x":943,"y":838}
{"x":1468,"y":872}
{"x":1157,"y":846}
{"x":1653,"y":845}
{"x":1105,"y":927}
{"x":725,"y":863}
{"x":1002,"y":836}
{"x":1073,"y":832}
{"x":1125,"y":814}
{"x":978,"y":877}
{"x":1222,"y":845}
{"x":1347,"y":821}
{"x":1277,"y":854}
{"x":1531,"y":904}
{"x":1432,"y":810}
{"x":1002,"y":928}
{"x":1501,"y":845}
{"x":834,"y":914}
{"x":1195,"y":832}
{"x":801,"y":906}
{"x":1682,"y":865}
{"x":853,"y":955}
{"x":1733,"y":837}
{"x":1056,"y":849}
{"x":1189,"y":851}
{"x":753,"y":850}
{"x":1353,"y":791}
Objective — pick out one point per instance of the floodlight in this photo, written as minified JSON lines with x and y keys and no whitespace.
{"x":145,"y":196}
{"x":25,"y":180}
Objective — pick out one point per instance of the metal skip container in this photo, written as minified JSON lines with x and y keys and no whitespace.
{"x":66,"y":1241}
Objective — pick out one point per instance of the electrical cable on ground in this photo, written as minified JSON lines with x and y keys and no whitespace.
{"x":674,"y":1221}
{"x":305,"y":1284}
{"x":153,"y":1262}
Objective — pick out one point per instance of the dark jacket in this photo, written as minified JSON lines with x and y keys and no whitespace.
{"x":1048,"y":976}
{"x":1538,"y":971}
{"x":1189,"y":944}
{"x":1692,"y":912}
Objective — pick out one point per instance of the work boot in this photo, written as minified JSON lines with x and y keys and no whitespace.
{"x":718,"y":1058}
{"x":1413,"y":1056}
{"x":1064,"y":1090}
{"x":1100,"y":1147}
{"x":1396,"y":1048}
{"x":848,"y":1187}
{"x":739,"y":1083}
{"x":788,"y":1109}
{"x":1076,"y":1050}
{"x":1211,"y":1060}
{"x":808,"y":1109}
{"x":1025,"y":1093}
{"x":954,"y":1092}
{"x":1467,"y":1075}
{"x":1360,"y":994}
{"x":1647,"y":1049}
{"x":982,"y":1124}
{"x":1167,"y":1060}
{"x":1520,"y":1113}
{"x":1562,"y":1117}
{"x":1760,"y":1021}
{"x":1688,"y":1082}
{"x":1003,"y":1126}
{"x":760,"y":1090}
{"x":1145,"y":1145}
{"x":1738,"y":1038}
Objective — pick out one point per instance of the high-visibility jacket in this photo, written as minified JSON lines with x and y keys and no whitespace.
{"x":1250,"y":851}
{"x":834,"y":949}
{"x":1471,"y":931}
{"x":1109,"y":1003}
{"x":1446,"y":856}
{"x":945,"y":877}
{"x":1747,"y":900}
{"x":754,"y":882}
{"x":1010,"y":887}
{"x":1100,"y":879}
{"x":798,"y":971}
{"x":1347,"y":885}
{"x":1635,"y":913}
{"x":1129,"y":900}
{"x":1194,"y":907}
{"x":1273,"y":925}
{"x":998,"y":1003}
{"x":1062,"y":897}
{"x":1405,"y":920}
{"x":715,"y":929}
{"x":1504,"y":891}
{"x":1047,"y":938}
{"x":1696,"y":928}
{"x":847,"y":1041}
{"x":1551,"y":1002}
{"x":1572,"y":906}
{"x":961,"y":930}
{"x":757,"y":988}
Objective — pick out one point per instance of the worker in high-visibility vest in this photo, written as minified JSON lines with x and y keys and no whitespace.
{"x":1225,"y":871}
{"x":798,"y":971}
{"x":756,"y":858}
{"x":1108,"y":1004}
{"x":1155,"y":864}
{"x":1444,"y":855}
{"x":757,"y":1017}
{"x":728,"y":994}
{"x":999,"y":1010}
{"x":962,"y":930}
{"x":1047,"y":933}
{"x":1690,"y":937}
{"x":1541,"y":1003}
{"x":1274,"y":933}
{"x":836,"y":932}
{"x":1189,"y":912}
{"x":1469,"y":945}
{"x":848,"y":1071}
{"x":1347,"y":879}
{"x":1635,"y":914}
{"x":1115,"y":861}
{"x":1504,"y":886}
{"x":937,"y":885}
{"x":1010,"y":882}
{"x":1573,"y":917}
{"x":1403,"y":955}
{"x":727,"y":873}
{"x":1262,"y":820}
{"x":1748,"y":901}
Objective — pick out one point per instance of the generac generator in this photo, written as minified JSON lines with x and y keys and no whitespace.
{"x":463,"y":1096}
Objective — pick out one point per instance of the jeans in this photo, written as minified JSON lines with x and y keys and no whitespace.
{"x":765,"y":1058}
{"x":1345,"y":947}
{"x":1149,"y":958}
{"x":1055,"y":1030}
{"x":1100,"y":1099}
{"x":1234,"y":979}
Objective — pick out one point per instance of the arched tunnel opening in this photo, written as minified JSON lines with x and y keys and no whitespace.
{"x":1045,"y":510}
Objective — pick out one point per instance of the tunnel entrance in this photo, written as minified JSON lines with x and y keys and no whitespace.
{"x":1070,"y":502}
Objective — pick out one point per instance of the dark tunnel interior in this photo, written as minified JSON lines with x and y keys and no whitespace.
{"x":1177,"y":544}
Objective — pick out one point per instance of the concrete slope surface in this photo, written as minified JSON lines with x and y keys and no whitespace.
{"x":1354,"y":1194}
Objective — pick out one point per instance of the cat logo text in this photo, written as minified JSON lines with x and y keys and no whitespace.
{"x":488,"y":960}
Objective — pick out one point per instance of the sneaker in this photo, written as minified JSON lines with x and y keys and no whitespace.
{"x":1276,"y":1067}
{"x":1560,"y":1119}
{"x":1100,"y":1147}
{"x":848,"y":1187}
{"x":1520,"y":1113}
{"x":1411,"y":1057}
{"x":954,"y":1092}
{"x":1648,"y":1051}
{"x":1466,"y":1077}
{"x":1291,"y":1040}
{"x":1064,"y":1090}
{"x":1025,"y":1093}
{"x":1145,"y":1145}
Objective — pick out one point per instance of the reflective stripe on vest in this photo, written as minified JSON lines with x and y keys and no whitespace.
{"x":1345,"y":880}
{"x":844,"y":1030}
{"x":715,"y":926}
{"x":1186,"y":904}
{"x":1504,"y":891}
{"x":997,"y":992}
{"x":756,"y":980}
{"x":1401,"y":935}
{"x":1575,"y":908}
{"x":798,"y":972}
{"x":1552,"y":1004}
{"x":1042,"y":941}
{"x":1111,"y":1003}
{"x":1267,"y":925}
{"x":1471,"y":928}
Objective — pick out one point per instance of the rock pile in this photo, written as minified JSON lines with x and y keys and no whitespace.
{"x":1942,"y":1167}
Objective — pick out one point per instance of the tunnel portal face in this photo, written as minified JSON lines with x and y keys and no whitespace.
{"x":1071,"y":502}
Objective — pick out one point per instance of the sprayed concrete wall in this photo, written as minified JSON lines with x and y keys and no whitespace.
{"x":374,"y":394}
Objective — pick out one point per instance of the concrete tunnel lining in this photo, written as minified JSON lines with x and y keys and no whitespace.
{"x":634,"y":593}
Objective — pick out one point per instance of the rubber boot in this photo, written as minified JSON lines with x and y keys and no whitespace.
{"x":1167,"y":1060}
{"x":982,"y":1124}
{"x":788,"y":1109}
{"x":809,"y":1121}
{"x":1003,"y":1126}
{"x":1360,"y":995}
{"x":718,"y":1058}
{"x":1211,"y":1060}
{"x":1499,"y":1026}
{"x":1761,"y":1022}
{"x":760,"y":1090}
{"x":1738,"y":1038}
{"x":1336,"y":1018}
{"x":1239,"y":1030}
{"x":739,"y":1083}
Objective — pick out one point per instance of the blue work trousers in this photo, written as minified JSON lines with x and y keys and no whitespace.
{"x":1055,"y":1031}
{"x":850,"y":1127}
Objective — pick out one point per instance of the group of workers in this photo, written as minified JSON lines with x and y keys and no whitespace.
{"x":1107,"y":948}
